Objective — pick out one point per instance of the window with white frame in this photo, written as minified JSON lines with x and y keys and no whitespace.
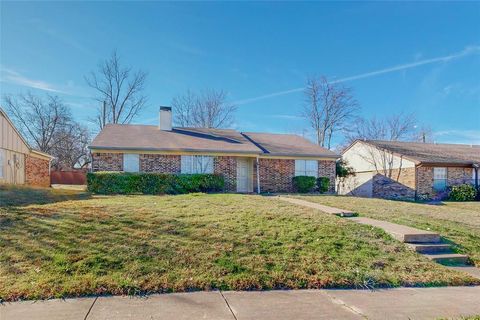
{"x":2,"y":162}
{"x":196,"y":164}
{"x":306,"y":168}
{"x":131,"y":162}
{"x":439,"y":179}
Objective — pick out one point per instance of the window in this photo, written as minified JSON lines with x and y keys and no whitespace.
{"x":131,"y":162}
{"x":306,"y":168}
{"x":2,"y":162}
{"x":196,"y":164}
{"x":439,"y":179}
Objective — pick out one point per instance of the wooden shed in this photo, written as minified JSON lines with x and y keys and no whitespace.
{"x":19,"y":163}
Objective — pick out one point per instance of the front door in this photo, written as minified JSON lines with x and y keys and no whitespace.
{"x":243,"y":172}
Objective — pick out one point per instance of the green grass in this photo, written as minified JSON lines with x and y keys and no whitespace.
{"x":458,"y":222}
{"x":146,"y":244}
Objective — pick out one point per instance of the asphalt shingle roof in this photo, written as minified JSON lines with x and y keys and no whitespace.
{"x":144,"y":137}
{"x":432,"y":152}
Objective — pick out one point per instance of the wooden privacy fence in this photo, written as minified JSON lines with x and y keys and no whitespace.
{"x":68,"y":177}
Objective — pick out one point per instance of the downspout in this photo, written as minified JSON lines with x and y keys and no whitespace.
{"x":475,"y":167}
{"x":258,"y":176}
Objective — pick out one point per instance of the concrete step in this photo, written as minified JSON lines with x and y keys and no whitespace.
{"x":400,"y":232}
{"x":430,"y":247}
{"x":448,"y":258}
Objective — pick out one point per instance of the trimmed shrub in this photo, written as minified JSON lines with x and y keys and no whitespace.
{"x":323,"y":184}
{"x":303,"y":184}
{"x":463,"y":192}
{"x":152,"y":183}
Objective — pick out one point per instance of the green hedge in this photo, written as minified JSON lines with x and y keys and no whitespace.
{"x":304,"y":184}
{"x":152,"y":183}
{"x":463,"y":192}
{"x":323,"y":184}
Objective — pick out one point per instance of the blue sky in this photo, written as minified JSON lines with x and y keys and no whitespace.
{"x":411,"y":57}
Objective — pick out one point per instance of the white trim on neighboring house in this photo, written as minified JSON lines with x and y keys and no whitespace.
{"x":2,"y":163}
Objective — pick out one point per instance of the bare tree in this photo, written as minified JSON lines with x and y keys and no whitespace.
{"x":328,"y":108}
{"x":119,"y":91}
{"x":208,"y":109}
{"x":71,"y":147}
{"x":398,"y":127}
{"x":38,"y":119}
{"x":423,"y":134}
{"x":48,"y":126}
{"x":184,"y":106}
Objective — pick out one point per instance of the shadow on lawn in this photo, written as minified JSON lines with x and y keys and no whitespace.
{"x":24,"y":196}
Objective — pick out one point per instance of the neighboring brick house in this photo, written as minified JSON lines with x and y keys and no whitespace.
{"x":19,"y":163}
{"x":249,"y":162}
{"x":394,"y":169}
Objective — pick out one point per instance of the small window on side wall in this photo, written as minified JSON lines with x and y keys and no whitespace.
{"x":131,"y":162}
{"x":306,"y":168}
{"x":439,"y":179}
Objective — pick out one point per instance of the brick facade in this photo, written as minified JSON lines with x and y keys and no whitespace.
{"x":327,"y":168}
{"x":275,"y":175}
{"x":107,"y":161}
{"x":37,"y":171}
{"x":455,"y":176}
{"x":227,"y":166}
{"x":160,"y":163}
{"x":399,"y":185}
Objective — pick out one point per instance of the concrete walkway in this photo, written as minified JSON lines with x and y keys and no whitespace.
{"x":326,"y":209}
{"x":423,"y":242}
{"x":401,"y":303}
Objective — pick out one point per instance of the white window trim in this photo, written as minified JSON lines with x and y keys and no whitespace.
{"x":131,"y":157}
{"x":438,"y":175}
{"x":196,"y":164}
{"x":302,"y":168}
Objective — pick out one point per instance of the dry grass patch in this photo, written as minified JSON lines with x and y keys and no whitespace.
{"x":146,"y":244}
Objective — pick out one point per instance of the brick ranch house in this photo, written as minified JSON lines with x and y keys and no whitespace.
{"x":19,"y":163}
{"x":394,"y":169}
{"x":249,"y":162}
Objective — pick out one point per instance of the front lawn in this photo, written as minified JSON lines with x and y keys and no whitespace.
{"x":145,"y":244}
{"x":458,"y":222}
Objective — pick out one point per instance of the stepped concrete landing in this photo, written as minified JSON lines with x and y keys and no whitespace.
{"x":430,"y":247}
{"x":399,"y":232}
{"x":326,"y":209}
{"x":448,"y":258}
{"x":424,"y":242}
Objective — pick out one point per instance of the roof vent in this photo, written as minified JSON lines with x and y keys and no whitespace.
{"x":165,"y":120}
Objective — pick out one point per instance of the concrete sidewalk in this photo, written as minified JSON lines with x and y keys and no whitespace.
{"x":401,"y":303}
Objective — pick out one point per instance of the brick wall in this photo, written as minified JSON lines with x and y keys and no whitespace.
{"x":37,"y":171}
{"x":327,"y":168}
{"x":456,"y":175}
{"x":275,"y":175}
{"x":107,"y":161}
{"x":160,"y":163}
{"x":399,"y":184}
{"x":227,"y":166}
